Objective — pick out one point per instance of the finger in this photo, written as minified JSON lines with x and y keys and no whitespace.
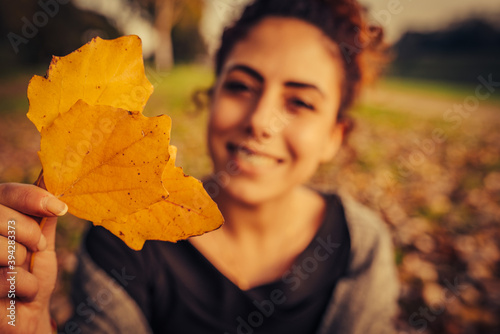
{"x":18,"y":283}
{"x":24,"y":229}
{"x":31,"y":200}
{"x":49,"y":232}
{"x":11,"y":253}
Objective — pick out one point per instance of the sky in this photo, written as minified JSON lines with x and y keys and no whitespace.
{"x":425,"y":15}
{"x":395,"y":16}
{"x":127,"y":19}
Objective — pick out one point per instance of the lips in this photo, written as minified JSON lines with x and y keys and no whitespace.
{"x":252,"y":157}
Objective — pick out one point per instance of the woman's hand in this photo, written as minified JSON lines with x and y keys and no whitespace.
{"x":25,"y":296}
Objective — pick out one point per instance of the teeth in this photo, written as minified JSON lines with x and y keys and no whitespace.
{"x":255,"y":159}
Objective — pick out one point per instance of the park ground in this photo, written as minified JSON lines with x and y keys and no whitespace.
{"x":425,"y":155}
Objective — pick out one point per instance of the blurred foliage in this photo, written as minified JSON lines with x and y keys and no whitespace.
{"x":186,"y":39}
{"x":440,"y":198}
{"x":65,"y":29}
{"x":441,"y":201}
{"x":176,"y":23}
{"x":35,"y":30}
{"x":455,"y":54}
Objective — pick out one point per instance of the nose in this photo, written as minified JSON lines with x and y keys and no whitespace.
{"x":260,"y":115}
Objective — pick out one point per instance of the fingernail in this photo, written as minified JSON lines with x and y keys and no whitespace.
{"x":55,"y":206}
{"x":42,"y":244}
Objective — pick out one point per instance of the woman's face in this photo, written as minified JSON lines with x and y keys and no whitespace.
{"x":274,"y":108}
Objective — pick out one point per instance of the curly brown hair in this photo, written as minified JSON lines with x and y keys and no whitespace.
{"x":343,"y":21}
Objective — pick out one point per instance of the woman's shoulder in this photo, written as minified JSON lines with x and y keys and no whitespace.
{"x":368,"y":232}
{"x":146,"y":275}
{"x":371,"y":275}
{"x":359,"y":217}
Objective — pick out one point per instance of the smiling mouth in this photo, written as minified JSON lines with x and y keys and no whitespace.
{"x":252,"y":157}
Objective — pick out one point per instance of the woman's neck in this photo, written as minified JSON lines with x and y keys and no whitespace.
{"x":257,"y":243}
{"x":266,"y":220}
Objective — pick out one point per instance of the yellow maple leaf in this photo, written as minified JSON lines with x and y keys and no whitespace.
{"x":103,"y":162}
{"x":106,"y":72}
{"x":110,"y":165}
{"x":187,"y":211}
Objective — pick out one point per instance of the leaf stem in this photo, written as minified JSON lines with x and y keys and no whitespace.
{"x":39,"y":179}
{"x":42,"y":222}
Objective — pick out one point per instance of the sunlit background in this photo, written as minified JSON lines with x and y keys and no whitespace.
{"x":425,"y":152}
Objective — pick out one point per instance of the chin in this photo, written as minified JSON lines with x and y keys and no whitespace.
{"x":249,"y":192}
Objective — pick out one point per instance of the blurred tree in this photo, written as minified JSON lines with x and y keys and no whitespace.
{"x":33,"y":31}
{"x":186,"y":37}
{"x":458,"y":53}
{"x":167,"y":15}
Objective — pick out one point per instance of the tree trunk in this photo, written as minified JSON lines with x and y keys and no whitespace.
{"x":164,"y":21}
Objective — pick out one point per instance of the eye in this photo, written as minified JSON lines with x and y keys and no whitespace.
{"x":236,"y":87}
{"x":298,"y":103}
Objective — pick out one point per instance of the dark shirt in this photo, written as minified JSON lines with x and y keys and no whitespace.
{"x":180,"y":291}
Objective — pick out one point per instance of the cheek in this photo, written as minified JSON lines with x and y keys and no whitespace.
{"x":307,"y":142}
{"x":225,"y":115}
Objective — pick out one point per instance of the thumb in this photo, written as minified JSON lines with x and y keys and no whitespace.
{"x":49,"y":227}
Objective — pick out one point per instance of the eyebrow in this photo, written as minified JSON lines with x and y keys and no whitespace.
{"x":253,"y":73}
{"x":303,"y":85}
{"x":248,"y":70}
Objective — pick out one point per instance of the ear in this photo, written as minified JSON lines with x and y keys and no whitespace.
{"x":334,"y":142}
{"x":208,"y":94}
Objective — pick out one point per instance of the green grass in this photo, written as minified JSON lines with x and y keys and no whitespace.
{"x":381,"y":116}
{"x":383,"y":136}
{"x":13,"y":105}
{"x":13,"y":99}
{"x":437,"y":88}
{"x":173,"y":90}
{"x":173,"y":96}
